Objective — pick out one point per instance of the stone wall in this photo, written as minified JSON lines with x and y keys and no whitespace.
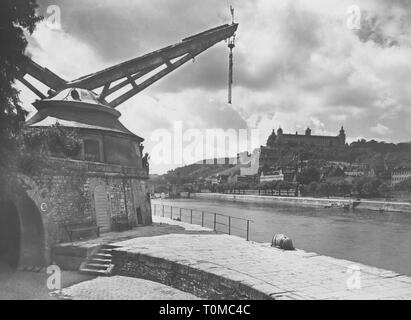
{"x":64,"y":194}
{"x":201,"y":283}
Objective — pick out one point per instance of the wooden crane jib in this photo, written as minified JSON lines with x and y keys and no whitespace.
{"x":166,"y":60}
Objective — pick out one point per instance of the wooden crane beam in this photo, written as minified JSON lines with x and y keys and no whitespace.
{"x":170,"y":57}
{"x":140,"y":87}
{"x":155,"y":59}
{"x":43,"y":75}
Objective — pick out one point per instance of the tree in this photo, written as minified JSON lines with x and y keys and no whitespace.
{"x":263,"y":186}
{"x":242,"y":186}
{"x":368,"y":190}
{"x":309,"y":175}
{"x":404,"y":185}
{"x":367,"y":187}
{"x":312,"y":188}
{"x":323,"y":189}
{"x":287,"y":186}
{"x":16,"y":18}
{"x":272,"y":185}
{"x":383,"y":190}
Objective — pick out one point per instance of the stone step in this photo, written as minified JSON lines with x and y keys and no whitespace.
{"x":98,"y":266}
{"x":100,"y":260}
{"x":109,"y":246}
{"x":107,"y":251}
{"x":102,"y":255}
{"x":94,"y":272}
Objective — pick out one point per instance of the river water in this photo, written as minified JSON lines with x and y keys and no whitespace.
{"x":378,"y":239}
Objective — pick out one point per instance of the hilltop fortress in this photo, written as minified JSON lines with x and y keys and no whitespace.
{"x":307,"y":139}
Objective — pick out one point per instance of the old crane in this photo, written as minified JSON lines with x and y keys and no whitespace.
{"x":110,"y":173}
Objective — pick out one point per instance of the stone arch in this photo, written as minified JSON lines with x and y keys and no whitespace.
{"x":9,"y":234}
{"x":32,"y":233}
{"x":22,"y":232}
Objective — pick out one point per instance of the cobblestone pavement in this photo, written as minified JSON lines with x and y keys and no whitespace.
{"x":282,"y":274}
{"x":159,"y":227}
{"x":123,"y":288}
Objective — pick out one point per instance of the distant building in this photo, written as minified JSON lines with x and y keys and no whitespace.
{"x":357,"y":170}
{"x":290,"y":175}
{"x":222,"y":178}
{"x":307,"y":139}
{"x":219,"y":161}
{"x":246,"y":179}
{"x":212,"y":180}
{"x":349,"y":169}
{"x":400,"y":175}
{"x":354,"y":173}
{"x":272,"y":176}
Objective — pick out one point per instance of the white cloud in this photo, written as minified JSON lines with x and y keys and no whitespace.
{"x":296,"y":64}
{"x":380,"y":129}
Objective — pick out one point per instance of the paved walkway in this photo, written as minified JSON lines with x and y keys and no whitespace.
{"x":18,"y":285}
{"x":281,"y":274}
{"x":159,"y":227}
{"x":123,"y":288}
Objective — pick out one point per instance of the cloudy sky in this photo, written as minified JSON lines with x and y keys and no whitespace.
{"x":297,"y":64}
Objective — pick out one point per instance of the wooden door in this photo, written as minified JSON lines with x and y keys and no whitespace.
{"x":101,"y":205}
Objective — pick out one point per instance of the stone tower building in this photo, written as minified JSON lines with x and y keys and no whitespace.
{"x":307,"y":139}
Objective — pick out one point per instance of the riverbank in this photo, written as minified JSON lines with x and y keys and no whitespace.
{"x":218,"y":266}
{"x":313,"y":202}
{"x":356,"y":235}
{"x":212,"y":265}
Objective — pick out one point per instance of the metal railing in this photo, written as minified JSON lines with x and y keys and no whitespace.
{"x":201,"y":217}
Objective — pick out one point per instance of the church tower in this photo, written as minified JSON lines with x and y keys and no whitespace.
{"x":342,"y":135}
{"x":271,"y":139}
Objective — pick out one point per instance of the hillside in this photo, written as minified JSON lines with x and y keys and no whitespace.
{"x":196,"y":172}
{"x":379,"y":156}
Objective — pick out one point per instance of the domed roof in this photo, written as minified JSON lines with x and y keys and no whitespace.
{"x":78,"y":108}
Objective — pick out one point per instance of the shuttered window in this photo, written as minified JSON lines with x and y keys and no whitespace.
{"x":91,"y":150}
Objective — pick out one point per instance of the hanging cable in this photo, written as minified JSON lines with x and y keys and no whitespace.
{"x":231,"y":45}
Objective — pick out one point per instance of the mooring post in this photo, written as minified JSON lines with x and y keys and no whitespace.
{"x":191,"y":216}
{"x":171,"y":214}
{"x":180,"y":214}
{"x":215,"y":221}
{"x":163,"y":210}
{"x":229,"y":225}
{"x":202,"y":218}
{"x":248,"y":230}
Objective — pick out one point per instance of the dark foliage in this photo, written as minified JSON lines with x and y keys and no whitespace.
{"x":17,"y":17}
{"x":23,"y":149}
